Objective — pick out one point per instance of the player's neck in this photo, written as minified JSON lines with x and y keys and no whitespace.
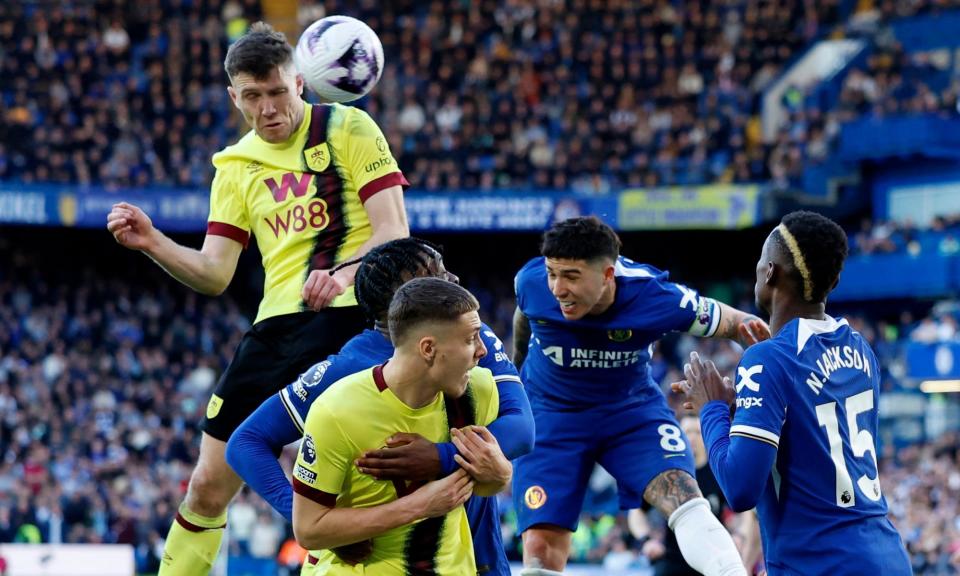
{"x":606,"y":300}
{"x":381,"y":327}
{"x":409,"y":382}
{"x":791,"y":309}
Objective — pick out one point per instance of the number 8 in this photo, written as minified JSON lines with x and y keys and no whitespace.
{"x":670,"y":438}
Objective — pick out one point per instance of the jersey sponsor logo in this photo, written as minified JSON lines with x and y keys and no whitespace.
{"x":308,"y":449}
{"x":498,"y":353}
{"x":619,"y":335}
{"x":289,"y":182}
{"x":299,"y":218}
{"x":746,"y":377}
{"x":254,"y":167}
{"x":748,"y":402}
{"x":381,"y":144}
{"x":304,"y":475}
{"x":318,"y":157}
{"x":591,"y":358}
{"x":535,"y":497}
{"x":213,"y":406}
{"x":378,"y":164}
{"x":554,"y":353}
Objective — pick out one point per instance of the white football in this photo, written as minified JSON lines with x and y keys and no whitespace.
{"x":340,"y":57}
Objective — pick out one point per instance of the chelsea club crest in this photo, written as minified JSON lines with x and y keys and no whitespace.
{"x":619,"y":335}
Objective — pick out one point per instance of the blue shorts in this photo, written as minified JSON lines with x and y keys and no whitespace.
{"x":634,"y":444}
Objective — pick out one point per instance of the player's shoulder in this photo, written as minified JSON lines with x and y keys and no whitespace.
{"x":633,"y":275}
{"x":533,"y":273}
{"x":798,"y":333}
{"x":346,"y":120}
{"x":348,"y":389}
{"x":481,"y":380}
{"x":238,"y":155}
{"x":367,"y":344}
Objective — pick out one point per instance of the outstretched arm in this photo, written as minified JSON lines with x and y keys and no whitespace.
{"x":741,"y":326}
{"x":208,"y":270}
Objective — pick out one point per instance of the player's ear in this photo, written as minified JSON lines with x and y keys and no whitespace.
{"x":427,"y":346}
{"x":609,"y":272}
{"x":233,"y":96}
{"x":299,"y":84}
{"x":773,"y":272}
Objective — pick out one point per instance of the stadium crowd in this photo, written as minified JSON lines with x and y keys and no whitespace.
{"x":579,"y":94}
{"x":104,"y":376}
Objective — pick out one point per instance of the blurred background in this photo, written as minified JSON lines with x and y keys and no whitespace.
{"x":690,"y":126}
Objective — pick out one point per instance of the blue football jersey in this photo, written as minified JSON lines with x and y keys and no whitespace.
{"x":367,"y":349}
{"x":812,"y":392}
{"x":603,"y":359}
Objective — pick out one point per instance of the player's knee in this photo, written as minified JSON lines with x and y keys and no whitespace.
{"x":209,"y":493}
{"x":545,"y":549}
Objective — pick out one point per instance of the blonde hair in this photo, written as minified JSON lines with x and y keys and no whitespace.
{"x":798,"y":261}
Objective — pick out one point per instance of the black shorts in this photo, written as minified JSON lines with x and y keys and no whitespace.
{"x":271,"y":355}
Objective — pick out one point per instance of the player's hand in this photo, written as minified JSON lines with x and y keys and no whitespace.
{"x":751,"y":331}
{"x":441,"y":496}
{"x":653,"y":549}
{"x":355,"y":553}
{"x":130,"y":226}
{"x":322,"y":287}
{"x":703,"y":384}
{"x":480,"y":455}
{"x":407,"y":457}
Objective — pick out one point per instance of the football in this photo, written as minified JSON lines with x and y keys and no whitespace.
{"x":340,"y":57}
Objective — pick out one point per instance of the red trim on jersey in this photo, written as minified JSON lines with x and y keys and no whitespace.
{"x":312,"y":560}
{"x":229,"y":231}
{"x":378,"y":377}
{"x":319,"y":496}
{"x":193,"y":527}
{"x":381,"y":183}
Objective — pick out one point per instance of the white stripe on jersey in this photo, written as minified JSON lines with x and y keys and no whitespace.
{"x":620,"y":270}
{"x":755,"y":433}
{"x":288,"y":404}
{"x":507,"y":378}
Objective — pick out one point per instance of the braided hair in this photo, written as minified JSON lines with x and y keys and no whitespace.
{"x":387,"y":267}
{"x":817,"y":247}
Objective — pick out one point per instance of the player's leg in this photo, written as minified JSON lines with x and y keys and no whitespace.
{"x":549,"y":485}
{"x":270,"y":356}
{"x":194,"y":538}
{"x":647,"y":452}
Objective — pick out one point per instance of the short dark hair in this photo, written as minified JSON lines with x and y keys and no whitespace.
{"x":582,"y":238}
{"x":386,"y":267}
{"x":424,"y":300}
{"x":258,"y":52}
{"x":817,"y":247}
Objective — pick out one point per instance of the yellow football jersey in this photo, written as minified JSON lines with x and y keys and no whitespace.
{"x":302,"y":199}
{"x":358,"y":413}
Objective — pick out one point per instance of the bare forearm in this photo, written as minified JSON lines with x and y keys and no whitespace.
{"x":342,"y":526}
{"x":521,"y":338}
{"x":189,"y":266}
{"x":730,"y":321}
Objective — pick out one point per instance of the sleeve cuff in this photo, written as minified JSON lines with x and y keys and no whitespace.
{"x":319,"y":496}
{"x":228,"y":231}
{"x":447,"y":463}
{"x":382,"y":183}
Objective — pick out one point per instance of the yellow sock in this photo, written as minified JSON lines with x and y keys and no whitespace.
{"x":192,"y":544}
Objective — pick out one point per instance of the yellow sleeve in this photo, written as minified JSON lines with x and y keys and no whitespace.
{"x":372,"y":165}
{"x":228,"y":215}
{"x":487,"y":395}
{"x":323,"y":460}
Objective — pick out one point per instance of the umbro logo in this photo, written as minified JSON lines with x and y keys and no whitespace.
{"x":254,"y":167}
{"x":746,"y":377}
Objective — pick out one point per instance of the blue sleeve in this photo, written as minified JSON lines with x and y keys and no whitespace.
{"x":666,"y":306}
{"x":741,"y":465}
{"x":513,"y":427}
{"x":298,"y":396}
{"x":253,"y":449}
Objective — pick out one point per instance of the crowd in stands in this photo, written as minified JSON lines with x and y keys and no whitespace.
{"x":576,"y":94}
{"x":941,"y":236}
{"x":104,"y":377}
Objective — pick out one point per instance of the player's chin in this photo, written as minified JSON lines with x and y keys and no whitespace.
{"x":572,"y":313}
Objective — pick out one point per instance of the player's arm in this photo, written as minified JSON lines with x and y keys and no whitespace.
{"x":741,"y":456}
{"x":479,"y":454}
{"x":380,"y":191}
{"x":741,"y":326}
{"x":521,"y":337}
{"x":208,"y":270}
{"x":253,"y":450}
{"x":319,"y":524}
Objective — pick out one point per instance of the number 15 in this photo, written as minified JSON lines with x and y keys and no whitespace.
{"x":861,"y":442}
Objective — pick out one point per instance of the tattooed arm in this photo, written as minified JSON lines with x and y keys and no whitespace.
{"x":521,"y":338}
{"x":745,"y":328}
